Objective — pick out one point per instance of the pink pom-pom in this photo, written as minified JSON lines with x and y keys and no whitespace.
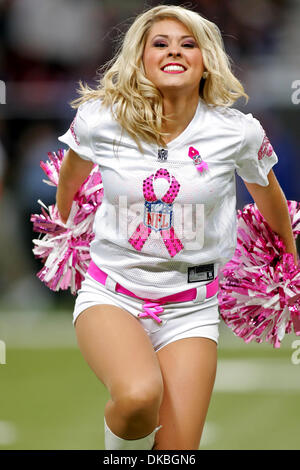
{"x":64,"y":248}
{"x":259,"y":294}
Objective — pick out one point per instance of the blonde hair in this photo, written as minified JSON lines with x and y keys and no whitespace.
{"x":134,"y":100}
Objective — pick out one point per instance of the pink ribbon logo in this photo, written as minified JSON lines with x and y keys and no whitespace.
{"x":199,"y":163}
{"x":158,"y":214}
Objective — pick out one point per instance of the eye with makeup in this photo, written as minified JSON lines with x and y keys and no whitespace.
{"x":159,"y":44}
{"x":188,"y":45}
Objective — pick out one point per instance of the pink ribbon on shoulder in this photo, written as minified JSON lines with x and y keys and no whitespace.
{"x":200,"y":164}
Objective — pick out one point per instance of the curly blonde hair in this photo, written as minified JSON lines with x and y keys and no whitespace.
{"x":135,"y":102}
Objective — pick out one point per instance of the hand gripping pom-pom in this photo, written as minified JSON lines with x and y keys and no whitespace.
{"x":64,"y":248}
{"x":259,"y":294}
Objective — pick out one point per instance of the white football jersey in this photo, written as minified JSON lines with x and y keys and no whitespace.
{"x":165,"y":224}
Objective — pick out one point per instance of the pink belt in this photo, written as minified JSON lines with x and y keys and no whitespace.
{"x":152,"y":307}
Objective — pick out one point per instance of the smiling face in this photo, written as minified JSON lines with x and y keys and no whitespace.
{"x":172,"y":58}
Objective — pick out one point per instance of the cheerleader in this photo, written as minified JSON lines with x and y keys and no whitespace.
{"x":161,"y":128}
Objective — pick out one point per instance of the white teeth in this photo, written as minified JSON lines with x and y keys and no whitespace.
{"x":171,"y":68}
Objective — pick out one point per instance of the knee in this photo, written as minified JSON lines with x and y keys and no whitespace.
{"x":140,"y":402}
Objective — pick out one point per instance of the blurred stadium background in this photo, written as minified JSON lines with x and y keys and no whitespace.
{"x":49,"y":398}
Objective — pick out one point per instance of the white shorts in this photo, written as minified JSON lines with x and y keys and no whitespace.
{"x":179,"y":319}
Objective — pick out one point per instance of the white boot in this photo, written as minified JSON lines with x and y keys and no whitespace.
{"x":113,"y":442}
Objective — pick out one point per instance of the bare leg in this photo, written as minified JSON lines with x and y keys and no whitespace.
{"x":118,"y":350}
{"x":189,"y":369}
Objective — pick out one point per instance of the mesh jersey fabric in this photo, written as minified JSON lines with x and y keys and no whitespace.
{"x":160,"y":199}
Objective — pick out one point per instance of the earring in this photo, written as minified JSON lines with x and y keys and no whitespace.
{"x":205,"y":75}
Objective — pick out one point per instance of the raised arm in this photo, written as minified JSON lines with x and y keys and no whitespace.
{"x":74,"y":171}
{"x":272,"y":204}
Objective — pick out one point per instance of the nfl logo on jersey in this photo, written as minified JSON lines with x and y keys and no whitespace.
{"x":162,"y":155}
{"x":158,"y":215}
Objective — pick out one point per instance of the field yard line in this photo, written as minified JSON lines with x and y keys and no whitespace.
{"x":248,"y":375}
{"x":8,"y":433}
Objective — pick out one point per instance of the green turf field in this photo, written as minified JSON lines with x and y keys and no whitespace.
{"x":49,"y":398}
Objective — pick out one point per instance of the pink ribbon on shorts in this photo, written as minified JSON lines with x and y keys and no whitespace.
{"x":150,"y":309}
